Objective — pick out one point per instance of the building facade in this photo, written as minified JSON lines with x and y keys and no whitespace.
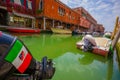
{"x":52,"y":13}
{"x":100,"y":28}
{"x":45,"y":14}
{"x":18,"y":13}
{"x":87,"y":23}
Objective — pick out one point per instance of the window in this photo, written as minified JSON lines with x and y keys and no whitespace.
{"x":61,"y":11}
{"x":41,"y":5}
{"x":83,"y":14}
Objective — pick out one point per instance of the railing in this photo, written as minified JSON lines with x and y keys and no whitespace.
{"x":22,"y":9}
{"x":18,"y":8}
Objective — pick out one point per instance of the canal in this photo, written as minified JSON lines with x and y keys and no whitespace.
{"x":70,"y":62}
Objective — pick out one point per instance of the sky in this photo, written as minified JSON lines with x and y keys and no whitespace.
{"x":104,"y":11}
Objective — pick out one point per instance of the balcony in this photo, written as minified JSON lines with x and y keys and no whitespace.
{"x":17,"y":8}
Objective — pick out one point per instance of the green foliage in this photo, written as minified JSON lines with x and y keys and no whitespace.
{"x":39,"y":11}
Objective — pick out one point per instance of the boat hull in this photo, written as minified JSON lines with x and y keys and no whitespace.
{"x":100,"y":51}
{"x":61,"y":31}
{"x":23,"y":30}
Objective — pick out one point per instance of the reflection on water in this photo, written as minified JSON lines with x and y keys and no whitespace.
{"x":69,"y":67}
{"x":70,"y":62}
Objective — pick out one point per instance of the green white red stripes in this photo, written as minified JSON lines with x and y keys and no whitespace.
{"x":19,"y":57}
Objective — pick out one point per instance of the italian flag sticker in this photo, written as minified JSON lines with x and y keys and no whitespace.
{"x":19,"y":57}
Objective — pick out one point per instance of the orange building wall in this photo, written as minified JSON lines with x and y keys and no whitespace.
{"x":84,"y":22}
{"x":51,"y":11}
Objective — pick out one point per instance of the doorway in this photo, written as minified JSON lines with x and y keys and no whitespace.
{"x":3,"y":17}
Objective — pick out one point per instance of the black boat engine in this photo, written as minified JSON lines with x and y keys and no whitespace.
{"x":17,"y":63}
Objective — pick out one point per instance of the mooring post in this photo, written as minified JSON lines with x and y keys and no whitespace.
{"x":116,"y":38}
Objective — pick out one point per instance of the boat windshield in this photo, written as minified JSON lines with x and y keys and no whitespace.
{"x":5,"y":42}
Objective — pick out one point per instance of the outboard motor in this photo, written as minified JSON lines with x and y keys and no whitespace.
{"x":16,"y":61}
{"x":89,"y":43}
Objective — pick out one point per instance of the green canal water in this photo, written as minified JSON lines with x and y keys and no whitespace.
{"x":70,"y":62}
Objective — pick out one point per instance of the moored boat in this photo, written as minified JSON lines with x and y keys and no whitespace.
{"x":104,"y":46}
{"x":23,"y":30}
{"x":61,"y":31}
{"x":107,"y":34}
{"x":101,"y":45}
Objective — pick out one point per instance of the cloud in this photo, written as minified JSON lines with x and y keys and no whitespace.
{"x":116,"y":8}
{"x":104,"y":11}
{"x":103,"y":6}
{"x":98,"y":2}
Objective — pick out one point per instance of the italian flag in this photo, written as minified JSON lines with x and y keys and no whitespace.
{"x":19,"y":57}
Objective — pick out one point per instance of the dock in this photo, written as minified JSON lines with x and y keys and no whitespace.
{"x":2,"y":28}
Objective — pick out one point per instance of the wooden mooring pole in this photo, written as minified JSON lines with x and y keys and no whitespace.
{"x":115,"y":34}
{"x":116,"y":38}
